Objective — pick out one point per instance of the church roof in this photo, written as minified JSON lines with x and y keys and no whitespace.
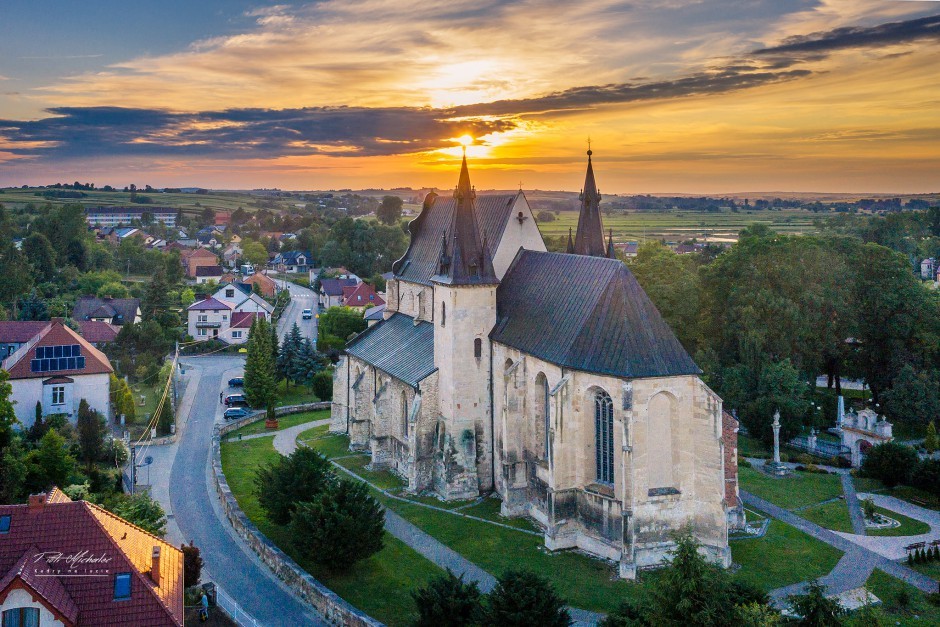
{"x":586,"y":313}
{"x":397,"y":346}
{"x":464,"y":227}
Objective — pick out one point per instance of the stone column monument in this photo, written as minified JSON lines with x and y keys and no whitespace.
{"x":776,"y":467}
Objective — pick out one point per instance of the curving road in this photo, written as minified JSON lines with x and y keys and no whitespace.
{"x":301,"y":298}
{"x":197,"y":512}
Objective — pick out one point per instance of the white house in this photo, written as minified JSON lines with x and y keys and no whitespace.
{"x":57,"y":368}
{"x":227,"y":315}
{"x":209,"y":319}
{"x":243,"y":299}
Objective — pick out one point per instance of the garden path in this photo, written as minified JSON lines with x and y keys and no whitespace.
{"x":892,"y":547}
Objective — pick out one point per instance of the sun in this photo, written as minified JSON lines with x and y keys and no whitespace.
{"x":465,"y":140}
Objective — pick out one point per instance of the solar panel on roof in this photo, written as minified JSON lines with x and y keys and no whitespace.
{"x":54,"y":358}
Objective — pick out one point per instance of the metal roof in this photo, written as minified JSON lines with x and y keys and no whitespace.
{"x":399,"y":347}
{"x":585,"y":313}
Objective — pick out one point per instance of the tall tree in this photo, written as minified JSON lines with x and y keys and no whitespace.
{"x":91,"y":431}
{"x":389,"y":212}
{"x":522,"y":598}
{"x":33,"y":308}
{"x":448,"y":601}
{"x":50,"y":463}
{"x":289,"y":355}
{"x":671,"y":281}
{"x":41,"y":256}
{"x":260,"y":368}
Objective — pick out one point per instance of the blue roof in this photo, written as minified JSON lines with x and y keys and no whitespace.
{"x":398,"y":347}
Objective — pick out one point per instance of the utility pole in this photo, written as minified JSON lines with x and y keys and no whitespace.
{"x":133,"y":469}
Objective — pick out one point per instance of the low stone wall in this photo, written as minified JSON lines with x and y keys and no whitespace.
{"x":333,"y":607}
{"x":234,"y":425}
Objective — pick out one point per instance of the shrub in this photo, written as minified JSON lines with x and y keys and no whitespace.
{"x":192,"y":564}
{"x":522,"y":598}
{"x":927,"y":477}
{"x":283,"y":484}
{"x":890,"y":462}
{"x":448,"y":602}
{"x":322,"y":384}
{"x":339,"y":526}
{"x":815,"y":609}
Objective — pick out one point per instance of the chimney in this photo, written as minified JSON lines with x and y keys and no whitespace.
{"x":155,"y":566}
{"x":37,"y":502}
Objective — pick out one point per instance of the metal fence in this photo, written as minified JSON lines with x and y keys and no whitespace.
{"x":234,"y":610}
{"x":823,"y":448}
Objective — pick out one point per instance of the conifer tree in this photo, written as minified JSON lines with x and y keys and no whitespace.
{"x":260,"y":370}
{"x":931,"y":443}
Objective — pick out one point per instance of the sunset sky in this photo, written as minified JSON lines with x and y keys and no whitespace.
{"x":686,"y":96}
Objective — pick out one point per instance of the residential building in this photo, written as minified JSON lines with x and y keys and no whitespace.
{"x":73,"y":563}
{"x":374,"y":315}
{"x":114,"y":311}
{"x":15,"y":333}
{"x":292,"y":261}
{"x":57,"y":368}
{"x":331,"y":291}
{"x":98,"y":333}
{"x":227,"y":314}
{"x":361,"y":296}
{"x":125,"y":216}
{"x":547,"y":378}
{"x":204,"y":274}
{"x":928,"y":268}
{"x":195,"y":258}
{"x":266,"y":284}
{"x":628,"y":249}
{"x":209,"y":319}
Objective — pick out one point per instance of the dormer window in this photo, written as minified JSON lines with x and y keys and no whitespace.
{"x":122,"y":586}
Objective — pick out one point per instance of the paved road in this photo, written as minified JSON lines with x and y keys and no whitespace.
{"x":198,"y":514}
{"x":855,"y":507}
{"x":301,"y":298}
{"x":858,"y":560}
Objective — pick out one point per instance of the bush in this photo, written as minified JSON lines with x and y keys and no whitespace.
{"x":448,"y":602}
{"x":522,"y":598}
{"x":285,"y":483}
{"x":192,"y":564}
{"x":339,"y":526}
{"x":815,"y":609}
{"x":927,"y":477}
{"x":545,"y":216}
{"x":890,"y":462}
{"x":322,"y":384}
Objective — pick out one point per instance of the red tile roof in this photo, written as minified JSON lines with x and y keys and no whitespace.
{"x":362,"y":295}
{"x":95,"y":331}
{"x":243,"y":319}
{"x":18,"y":332}
{"x":57,"y":334}
{"x":105,"y":545}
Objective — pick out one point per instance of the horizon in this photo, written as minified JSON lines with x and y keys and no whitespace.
{"x":687,"y":97}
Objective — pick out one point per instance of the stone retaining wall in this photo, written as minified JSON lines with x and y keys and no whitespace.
{"x":333,"y":607}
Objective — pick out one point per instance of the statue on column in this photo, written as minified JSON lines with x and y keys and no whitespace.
{"x":776,"y":467}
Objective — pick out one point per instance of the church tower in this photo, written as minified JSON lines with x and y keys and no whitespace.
{"x":465,"y":312}
{"x":589,"y":240}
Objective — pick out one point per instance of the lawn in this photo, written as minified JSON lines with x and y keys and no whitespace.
{"x":795,"y":490}
{"x":917,"y":610}
{"x":329,"y":445}
{"x":909,"y":526}
{"x":833,"y":515}
{"x":294,"y":394}
{"x":380,"y":586}
{"x":284,"y":422}
{"x":931,"y":569}
{"x":749,"y":447}
{"x":783,"y":556}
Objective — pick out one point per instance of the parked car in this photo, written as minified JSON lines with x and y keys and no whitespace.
{"x":307,"y":314}
{"x":236,"y":400}
{"x":234,"y":413}
{"x":236,"y":382}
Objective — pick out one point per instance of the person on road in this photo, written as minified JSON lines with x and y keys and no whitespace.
{"x":204,"y":608}
{"x":220,"y":397}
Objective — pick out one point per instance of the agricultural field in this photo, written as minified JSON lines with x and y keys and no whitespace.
{"x":678,"y":226}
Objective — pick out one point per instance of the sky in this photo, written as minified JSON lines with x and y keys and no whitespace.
{"x":676,"y":96}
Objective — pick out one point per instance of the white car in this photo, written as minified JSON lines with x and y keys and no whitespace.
{"x":307,"y":314}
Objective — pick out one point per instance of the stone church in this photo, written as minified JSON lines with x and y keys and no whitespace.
{"x":547,"y":378}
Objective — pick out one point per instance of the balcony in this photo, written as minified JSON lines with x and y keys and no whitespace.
{"x":208,"y":325}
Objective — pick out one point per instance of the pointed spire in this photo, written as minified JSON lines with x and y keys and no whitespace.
{"x":589,"y":239}
{"x":464,"y":189}
{"x":611,"y":254}
{"x":570,"y":249}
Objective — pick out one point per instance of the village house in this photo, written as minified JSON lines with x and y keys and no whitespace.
{"x":360,"y":296}
{"x":195,"y":258}
{"x":292,"y":261}
{"x":57,"y":368}
{"x":227,"y":314}
{"x":204,"y":274}
{"x":547,"y":378}
{"x":116,"y":311}
{"x":127,"y":577}
{"x":331,"y":291}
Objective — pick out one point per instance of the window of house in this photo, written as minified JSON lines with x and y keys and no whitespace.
{"x":5,"y":524}
{"x":21,"y":617}
{"x":229,"y":293}
{"x":236,"y":335}
{"x":225,"y":316}
{"x":478,"y":348}
{"x":58,"y":395}
{"x":202,"y":318}
{"x":200,"y":331}
{"x":604,"y":437}
{"x":122,"y":586}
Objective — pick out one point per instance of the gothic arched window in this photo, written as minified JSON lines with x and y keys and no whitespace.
{"x":604,"y":437}
{"x":478,"y":348}
{"x":542,"y":417}
{"x":443,"y":313}
{"x":404,"y":414}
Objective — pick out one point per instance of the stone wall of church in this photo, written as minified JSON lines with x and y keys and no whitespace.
{"x":412,"y":299}
{"x":668,"y":467}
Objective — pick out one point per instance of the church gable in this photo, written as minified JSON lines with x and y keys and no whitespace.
{"x":586,"y":313}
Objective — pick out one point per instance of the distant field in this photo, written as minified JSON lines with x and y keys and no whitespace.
{"x":217,"y":201}
{"x":677,"y":226}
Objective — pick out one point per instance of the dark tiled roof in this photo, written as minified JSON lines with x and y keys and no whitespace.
{"x":19,"y":332}
{"x":50,"y":589}
{"x":399,"y":347}
{"x":420,"y":262}
{"x":291,"y":256}
{"x":589,"y":239}
{"x":209,"y":271}
{"x":121,"y":309}
{"x":97,"y":332}
{"x":585,"y":313}
{"x":334,"y":287}
{"x":209,"y":304}
{"x":375,"y":313}
{"x":244,"y":319}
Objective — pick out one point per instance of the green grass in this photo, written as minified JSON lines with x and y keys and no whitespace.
{"x":931,"y":569}
{"x":907,"y":493}
{"x":381,"y":585}
{"x":294,"y":394}
{"x":749,"y":447}
{"x":795,"y":490}
{"x":329,"y":445}
{"x":909,"y":526}
{"x":284,"y":422}
{"x":783,"y":556}
{"x":834,"y":516}
{"x":383,"y":479}
{"x":866,"y":484}
{"x":919,"y":611}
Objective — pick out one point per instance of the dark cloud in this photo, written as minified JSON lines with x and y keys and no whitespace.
{"x":239,"y":133}
{"x":859,"y":37}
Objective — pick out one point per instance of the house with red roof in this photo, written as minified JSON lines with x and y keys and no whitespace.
{"x":361,"y":296}
{"x":97,"y":332}
{"x":227,"y":314}
{"x":57,"y":368}
{"x":65,"y":562}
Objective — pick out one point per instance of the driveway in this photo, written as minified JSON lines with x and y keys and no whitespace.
{"x":198,"y":516}
{"x":300,"y":298}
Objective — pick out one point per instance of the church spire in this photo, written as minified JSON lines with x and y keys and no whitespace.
{"x":469,"y":261}
{"x":570,"y":249}
{"x":589,"y":239}
{"x":611,"y":254}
